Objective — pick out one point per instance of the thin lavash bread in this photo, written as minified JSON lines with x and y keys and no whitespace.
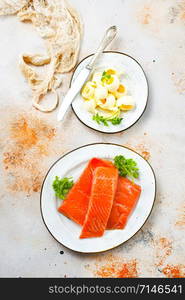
{"x":61,"y":28}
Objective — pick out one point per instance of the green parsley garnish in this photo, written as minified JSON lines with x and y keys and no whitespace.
{"x":62,"y":186}
{"x":116,"y":121}
{"x":126,"y":167}
{"x":101,"y":120}
{"x":105,"y":77}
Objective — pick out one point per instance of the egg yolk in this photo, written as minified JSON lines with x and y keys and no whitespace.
{"x":126,"y":107}
{"x":121,"y":89}
{"x":103,"y":101}
{"x":110,"y":72}
{"x":110,"y":80}
{"x":87,"y":91}
{"x":94,"y":85}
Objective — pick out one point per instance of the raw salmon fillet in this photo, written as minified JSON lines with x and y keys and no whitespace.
{"x":100,"y":203}
{"x":125,"y":200}
{"x":76,"y":203}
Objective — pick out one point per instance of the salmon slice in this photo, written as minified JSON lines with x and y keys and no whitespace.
{"x":76,"y":203}
{"x":101,"y":201}
{"x":125,"y":200}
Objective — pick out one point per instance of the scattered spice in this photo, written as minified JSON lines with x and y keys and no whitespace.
{"x":145,"y":154}
{"x":29,"y":141}
{"x":181,"y":219}
{"x":23,"y":134}
{"x":118,"y":270}
{"x":179,"y":82}
{"x":174,"y":271}
{"x":28,"y":130}
{"x":182,"y":10}
{"x":141,"y":149}
{"x":163,"y":250}
{"x":13,"y":159}
{"x":145,"y":15}
{"x":150,"y":17}
{"x":156,"y":15}
{"x":111,"y":266}
{"x":177,"y":13}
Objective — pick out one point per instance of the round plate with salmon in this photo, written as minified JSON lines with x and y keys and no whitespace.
{"x":96,"y":197}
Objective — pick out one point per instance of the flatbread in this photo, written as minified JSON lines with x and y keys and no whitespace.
{"x":9,"y":7}
{"x":60,"y":26}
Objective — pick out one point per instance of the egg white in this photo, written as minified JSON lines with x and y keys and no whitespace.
{"x":88,"y":90}
{"x":108,"y":103}
{"x":125,"y":103}
{"x":97,"y":77}
{"x":112,"y":87}
{"x":119,"y":94}
{"x":100,"y":92}
{"x":90,"y":106}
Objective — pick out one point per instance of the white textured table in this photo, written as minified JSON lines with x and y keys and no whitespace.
{"x":30,"y":141}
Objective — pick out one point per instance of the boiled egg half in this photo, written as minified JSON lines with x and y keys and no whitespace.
{"x":101,"y":92}
{"x":125,"y":103}
{"x":108,"y":102}
{"x":112,"y":83}
{"x":88,"y":90}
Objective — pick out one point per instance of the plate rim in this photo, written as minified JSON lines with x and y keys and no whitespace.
{"x":92,"y":144}
{"x":112,"y":132}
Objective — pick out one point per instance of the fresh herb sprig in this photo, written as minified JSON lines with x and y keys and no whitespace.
{"x":126,"y":167}
{"x":62,"y":186}
{"x":116,"y":121}
{"x":101,"y":120}
{"x":105,"y":77}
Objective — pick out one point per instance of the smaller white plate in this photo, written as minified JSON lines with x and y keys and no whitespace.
{"x":72,"y":164}
{"x":135,"y":81}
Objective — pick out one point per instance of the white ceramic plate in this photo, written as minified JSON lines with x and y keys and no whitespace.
{"x":72,"y":164}
{"x":134,"y":80}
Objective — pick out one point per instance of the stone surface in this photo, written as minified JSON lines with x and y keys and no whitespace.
{"x":30,"y":141}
